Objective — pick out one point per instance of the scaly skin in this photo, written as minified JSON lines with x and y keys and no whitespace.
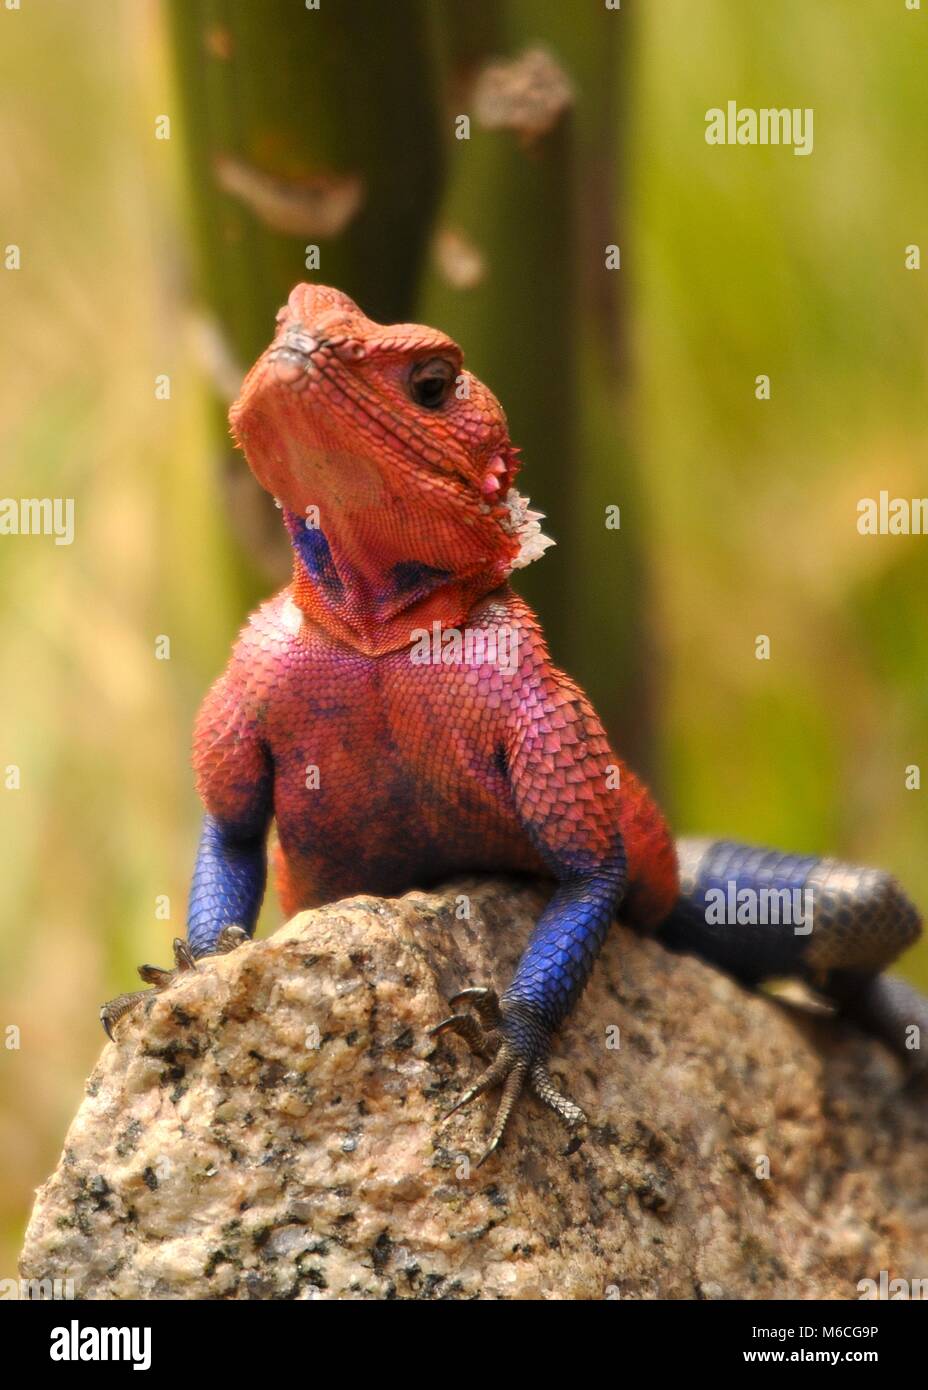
{"x":394,"y":469}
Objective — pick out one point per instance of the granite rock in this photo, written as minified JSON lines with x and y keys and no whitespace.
{"x":272,"y":1127}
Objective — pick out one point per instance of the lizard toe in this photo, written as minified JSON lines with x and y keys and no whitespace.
{"x":482,"y":1034}
{"x":485,"y":1002}
{"x":567,"y":1111}
{"x":161,"y":978}
{"x":514,"y":1043}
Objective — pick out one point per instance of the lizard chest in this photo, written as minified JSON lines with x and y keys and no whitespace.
{"x":382,"y":760}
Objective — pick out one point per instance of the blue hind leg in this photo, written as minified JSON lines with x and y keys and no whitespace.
{"x":759,"y":913}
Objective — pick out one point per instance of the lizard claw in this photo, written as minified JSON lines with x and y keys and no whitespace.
{"x":514,"y":1059}
{"x":483,"y":1040}
{"x":161,"y":979}
{"x":228,"y":939}
{"x":485,"y":1002}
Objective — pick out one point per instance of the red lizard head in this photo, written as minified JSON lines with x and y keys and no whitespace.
{"x":399,"y":455}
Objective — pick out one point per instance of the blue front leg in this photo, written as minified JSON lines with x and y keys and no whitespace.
{"x":228,"y":883}
{"x":562,"y":790}
{"x":562,"y":950}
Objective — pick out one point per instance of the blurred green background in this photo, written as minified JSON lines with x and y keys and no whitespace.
{"x":632,"y":387}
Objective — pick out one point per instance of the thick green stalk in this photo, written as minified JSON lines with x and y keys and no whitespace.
{"x":539,"y":319}
{"x":291,"y":116}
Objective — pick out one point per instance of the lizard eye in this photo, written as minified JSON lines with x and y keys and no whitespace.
{"x":430,"y":382}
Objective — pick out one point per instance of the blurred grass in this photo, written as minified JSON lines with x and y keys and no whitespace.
{"x":751,"y":261}
{"x":105,"y":819}
{"x":736,"y":262}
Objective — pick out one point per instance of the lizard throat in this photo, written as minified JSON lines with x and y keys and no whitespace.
{"x":349,"y":582}
{"x":377,"y":608}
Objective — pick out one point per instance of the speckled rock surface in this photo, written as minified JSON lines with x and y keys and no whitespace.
{"x":272,"y":1128}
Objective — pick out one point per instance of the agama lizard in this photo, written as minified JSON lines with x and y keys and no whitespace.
{"x":395,"y":473}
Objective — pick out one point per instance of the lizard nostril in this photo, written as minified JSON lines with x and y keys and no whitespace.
{"x":349,"y":350}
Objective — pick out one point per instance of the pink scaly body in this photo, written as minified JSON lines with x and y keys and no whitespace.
{"x":411,"y":785}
